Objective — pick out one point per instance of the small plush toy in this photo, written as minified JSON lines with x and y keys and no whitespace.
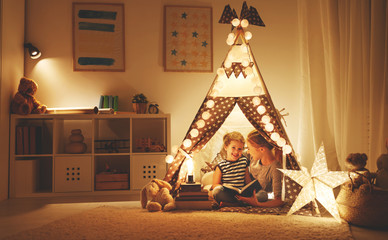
{"x":24,"y":101}
{"x":155,"y":196}
{"x":356,"y":163}
{"x":382,"y":172}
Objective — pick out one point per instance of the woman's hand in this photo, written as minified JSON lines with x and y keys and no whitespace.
{"x":250,"y":200}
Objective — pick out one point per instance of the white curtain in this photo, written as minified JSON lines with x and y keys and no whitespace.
{"x":344,"y":66}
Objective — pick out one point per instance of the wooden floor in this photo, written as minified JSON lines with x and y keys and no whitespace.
{"x":21,"y":214}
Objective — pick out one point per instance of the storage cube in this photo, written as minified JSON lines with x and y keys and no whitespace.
{"x":73,"y":173}
{"x":144,"y":168}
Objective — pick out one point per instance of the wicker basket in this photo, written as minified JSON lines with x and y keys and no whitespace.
{"x":367,"y":208}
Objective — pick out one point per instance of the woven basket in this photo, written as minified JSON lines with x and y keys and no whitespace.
{"x":367,"y":208}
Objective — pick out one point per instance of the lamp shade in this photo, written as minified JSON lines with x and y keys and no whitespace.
{"x":32,"y":51}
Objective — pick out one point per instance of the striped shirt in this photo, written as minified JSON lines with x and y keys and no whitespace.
{"x":233,"y":172}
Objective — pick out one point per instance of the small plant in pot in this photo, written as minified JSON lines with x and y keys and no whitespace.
{"x":139,"y":102}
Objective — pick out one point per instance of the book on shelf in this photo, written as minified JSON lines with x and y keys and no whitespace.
{"x":28,"y":140}
{"x":246,"y":191}
{"x":109,"y":102}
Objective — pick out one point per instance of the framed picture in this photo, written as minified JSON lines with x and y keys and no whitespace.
{"x":98,"y":37}
{"x":188,"y":39}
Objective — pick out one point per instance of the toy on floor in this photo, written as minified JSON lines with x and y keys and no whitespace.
{"x":155,"y":196}
{"x":24,"y":101}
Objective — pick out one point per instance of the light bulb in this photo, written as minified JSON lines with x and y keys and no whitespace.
{"x":231,"y":36}
{"x":235,"y":22}
{"x":244,"y":48}
{"x":266,"y":119}
{"x":187,"y":143}
{"x":200,"y":123}
{"x":257,"y":89}
{"x":269,"y":127}
{"x":275,"y":136}
{"x":245,"y":62}
{"x":244,"y":23}
{"x":229,"y":41}
{"x":206,"y":115}
{"x":261,"y":109}
{"x":210,"y":104}
{"x":169,"y":159}
{"x":248,"y":71}
{"x":256,"y":101}
{"x":219,"y":84}
{"x":220,"y":71}
{"x":287,"y":149}
{"x":248,"y":35}
{"x":194,"y":132}
{"x":281,"y":142}
{"x":227,"y":63}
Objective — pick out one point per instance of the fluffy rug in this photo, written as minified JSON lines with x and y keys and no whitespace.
{"x":107,"y":222}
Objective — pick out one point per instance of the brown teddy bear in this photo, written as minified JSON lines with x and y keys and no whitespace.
{"x":24,"y":101}
{"x":382,"y":172}
{"x":356,"y":163}
{"x":158,"y":192}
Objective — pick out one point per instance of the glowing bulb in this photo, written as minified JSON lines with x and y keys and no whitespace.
{"x":266,"y":119}
{"x":194,"y":132}
{"x":235,"y":22}
{"x":229,"y":41}
{"x":187,"y":143}
{"x":261,"y":109}
{"x":220,"y":71}
{"x":275,"y":136}
{"x":248,"y":35}
{"x":248,"y":70}
{"x":244,"y":48}
{"x":231,"y":36}
{"x":257,"y":89}
{"x":256,"y":101}
{"x":206,"y":115}
{"x":245,"y":62}
{"x":174,"y":149}
{"x":210,"y":104}
{"x":169,"y":159}
{"x":269,"y":127}
{"x":244,"y":23}
{"x":287,"y":149}
{"x":281,"y":142}
{"x":228,"y":63}
{"x":200,"y":123}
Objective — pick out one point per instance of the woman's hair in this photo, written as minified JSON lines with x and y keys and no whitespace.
{"x":255,"y":138}
{"x":233,"y":136}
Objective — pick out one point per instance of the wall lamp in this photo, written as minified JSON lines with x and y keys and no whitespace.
{"x":33,"y":51}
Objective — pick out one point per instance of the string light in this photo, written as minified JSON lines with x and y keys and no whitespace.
{"x":256,"y":101}
{"x":187,"y":143}
{"x":169,"y":159}
{"x":235,"y":22}
{"x":194,"y":132}
{"x":244,"y":23}
{"x":261,"y":109}
{"x":200,"y":123}
{"x":210,"y":104}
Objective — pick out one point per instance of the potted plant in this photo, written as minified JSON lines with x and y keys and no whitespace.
{"x":139,"y":102}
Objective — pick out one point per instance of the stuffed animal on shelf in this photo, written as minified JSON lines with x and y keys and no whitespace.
{"x":24,"y":101}
{"x":356,"y":162}
{"x":155,"y":196}
{"x":382,"y":172}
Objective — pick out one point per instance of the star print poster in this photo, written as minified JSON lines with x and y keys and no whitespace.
{"x":188,"y":42}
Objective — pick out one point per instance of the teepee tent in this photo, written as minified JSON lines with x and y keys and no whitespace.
{"x":237,"y":85}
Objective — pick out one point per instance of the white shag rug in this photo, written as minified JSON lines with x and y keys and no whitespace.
{"x":107,"y":222}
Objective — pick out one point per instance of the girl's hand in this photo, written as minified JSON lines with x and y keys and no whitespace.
{"x":210,"y":194}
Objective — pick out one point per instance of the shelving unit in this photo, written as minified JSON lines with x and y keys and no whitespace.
{"x":124,"y":150}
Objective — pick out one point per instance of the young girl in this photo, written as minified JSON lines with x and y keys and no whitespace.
{"x":264,"y":168}
{"x":232,"y":170}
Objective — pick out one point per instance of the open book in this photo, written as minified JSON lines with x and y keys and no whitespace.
{"x":246,"y":191}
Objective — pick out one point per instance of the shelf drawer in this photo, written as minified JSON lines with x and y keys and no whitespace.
{"x":73,"y":174}
{"x":145,"y":168}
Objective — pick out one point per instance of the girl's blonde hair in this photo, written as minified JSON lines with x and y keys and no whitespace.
{"x":233,"y":136}
{"x":255,"y":138}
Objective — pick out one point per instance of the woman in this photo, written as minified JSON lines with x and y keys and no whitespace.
{"x":264,"y":168}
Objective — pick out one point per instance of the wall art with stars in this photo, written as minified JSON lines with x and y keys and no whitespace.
{"x":188,"y":40}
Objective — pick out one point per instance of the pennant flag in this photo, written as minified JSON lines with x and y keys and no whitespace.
{"x":227,"y":15}
{"x":254,"y":17}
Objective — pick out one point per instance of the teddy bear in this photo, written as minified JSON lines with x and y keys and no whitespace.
{"x":382,"y":171}
{"x":155,"y":196}
{"x":24,"y":101}
{"x":356,"y":162}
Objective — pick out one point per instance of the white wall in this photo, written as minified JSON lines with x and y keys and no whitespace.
{"x":275,"y":48}
{"x":11,"y":70}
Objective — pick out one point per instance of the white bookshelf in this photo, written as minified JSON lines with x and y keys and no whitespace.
{"x":111,"y":140}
